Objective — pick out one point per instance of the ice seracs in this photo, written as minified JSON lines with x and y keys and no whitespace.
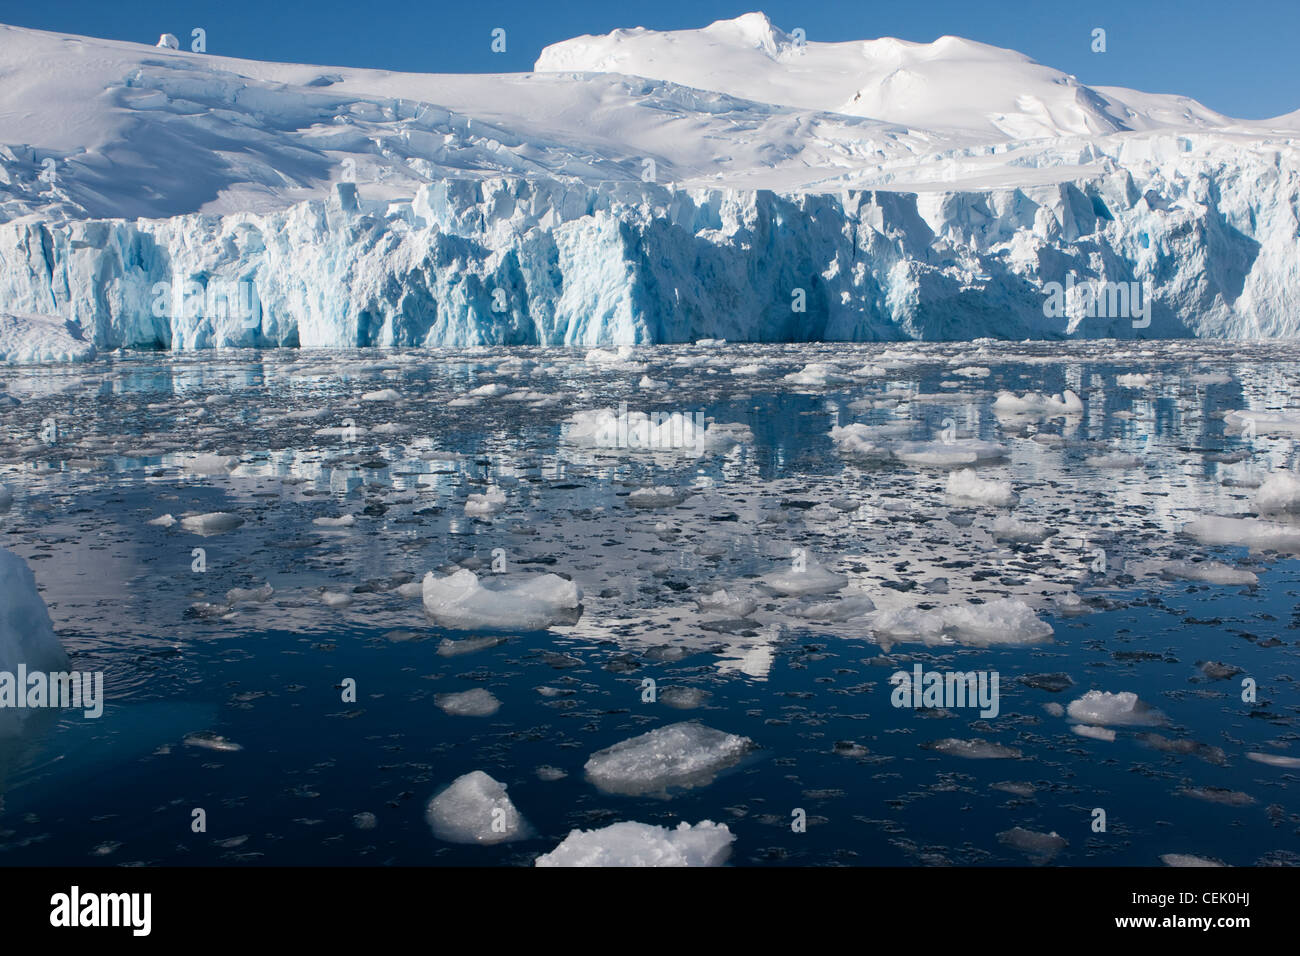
{"x":641,"y":844}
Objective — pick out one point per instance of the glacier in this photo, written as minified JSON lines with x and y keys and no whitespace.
{"x":458,"y":233}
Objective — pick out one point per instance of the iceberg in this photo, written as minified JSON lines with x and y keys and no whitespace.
{"x":640,"y":844}
{"x":678,"y":756}
{"x":461,"y":602}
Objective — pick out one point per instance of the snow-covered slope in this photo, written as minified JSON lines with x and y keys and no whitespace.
{"x":743,"y":186}
{"x":950,"y":84}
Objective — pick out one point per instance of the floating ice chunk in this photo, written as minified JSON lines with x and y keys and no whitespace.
{"x":469,"y":645}
{"x":491,"y":390}
{"x":640,"y":844}
{"x":1036,"y":404}
{"x":549,"y":774}
{"x":475,"y":809}
{"x":682,"y":755}
{"x":336,"y":599}
{"x":1054,"y":709}
{"x":975,"y":749}
{"x":660,"y":496}
{"x":462,"y":602}
{"x":1096,"y":733}
{"x":860,"y":441}
{"x":168,"y":41}
{"x":1008,"y":528}
{"x":953,"y":454}
{"x":163,"y":521}
{"x":650,"y":384}
{"x":607,"y":357}
{"x":818,"y":373}
{"x":1003,"y":621}
{"x":211,"y":464}
{"x":26,"y":632}
{"x":478,"y":702}
{"x":206,"y":740}
{"x":1252,"y":533}
{"x":968,"y":487}
{"x":41,"y":339}
{"x":827,"y":612}
{"x":1039,"y":847}
{"x":382,"y":395}
{"x":1211,"y":572}
{"x":747,"y":370}
{"x":666,"y":432}
{"x":1280,"y":492}
{"x":1122,"y":709}
{"x":1263,"y":423}
{"x":1274,"y":760}
{"x":214,"y":522}
{"x":683,"y":698}
{"x":813,"y":578}
{"x":1136,"y":380}
{"x":490,"y":502}
{"x":1186,"y":860}
{"x":723,"y":601}
{"x":257,"y":595}
{"x":343,"y":521}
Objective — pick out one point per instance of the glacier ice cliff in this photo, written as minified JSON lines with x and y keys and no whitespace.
{"x":1211,"y":229}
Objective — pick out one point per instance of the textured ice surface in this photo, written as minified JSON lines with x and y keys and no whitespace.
{"x":475,"y":809}
{"x":682,"y":755}
{"x":478,"y":702}
{"x":1002,"y":621}
{"x":533,"y":603}
{"x":26,"y":632}
{"x":640,"y":844}
{"x":33,"y":339}
{"x":966,"y":487}
{"x":1120,"y":709}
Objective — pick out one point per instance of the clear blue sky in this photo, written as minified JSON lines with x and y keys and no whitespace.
{"x":1236,"y":56}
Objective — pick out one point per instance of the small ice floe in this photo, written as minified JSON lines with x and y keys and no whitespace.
{"x":1135,"y":380}
{"x":1217,"y":670}
{"x":365,"y":820}
{"x":660,"y":496}
{"x":475,"y":809}
{"x":683,"y":698}
{"x":966,"y":487}
{"x":1122,"y":709}
{"x":810,"y":578}
{"x":255,"y":595}
{"x":1096,"y":733}
{"x":1209,"y":378}
{"x":1002,"y":621}
{"x":1222,"y":795}
{"x":210,"y":741}
{"x":490,"y":502}
{"x":163,"y":521}
{"x":962,"y":452}
{"x":211,"y":464}
{"x":640,"y":844}
{"x":491,"y":390}
{"x":818,"y":374}
{"x":1210,"y":572}
{"x":460,"y":601}
{"x":478,"y":702}
{"x":449,"y":648}
{"x":1053,"y":709}
{"x":651,"y":385}
{"x":1037,"y":405}
{"x":1187,"y":860}
{"x":608,"y":357}
{"x":725,"y":602}
{"x":660,"y":432}
{"x":214,"y":522}
{"x":382,"y":395}
{"x":1280,"y":493}
{"x":973,"y":371}
{"x":1253,"y":533}
{"x":548,"y":774}
{"x":974,"y":749}
{"x":833,"y":612}
{"x":1039,"y":847}
{"x":336,"y":599}
{"x":1274,"y":760}
{"x":747,"y":370}
{"x":682,"y":755}
{"x":343,"y":521}
{"x":1263,"y":423}
{"x":1008,"y":528}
